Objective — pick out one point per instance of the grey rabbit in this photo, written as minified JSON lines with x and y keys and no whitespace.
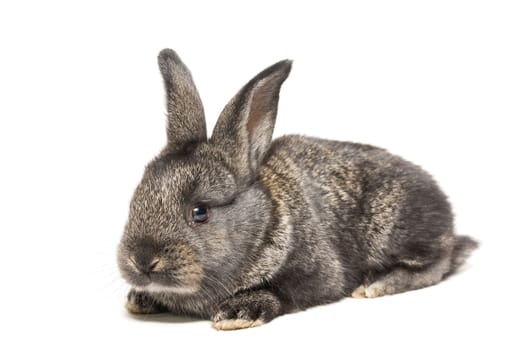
{"x":240,"y":229}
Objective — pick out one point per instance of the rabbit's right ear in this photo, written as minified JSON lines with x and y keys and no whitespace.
{"x":186,"y":123}
{"x":245,"y":126}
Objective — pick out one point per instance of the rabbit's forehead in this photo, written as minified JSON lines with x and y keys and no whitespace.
{"x":195,"y":174}
{"x":159,"y":196}
{"x":178,"y":181}
{"x":162,"y":196}
{"x":173,"y":180}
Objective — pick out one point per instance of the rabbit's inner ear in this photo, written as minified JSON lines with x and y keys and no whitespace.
{"x":186,"y":122}
{"x":261,"y":119}
{"x":245,"y":127}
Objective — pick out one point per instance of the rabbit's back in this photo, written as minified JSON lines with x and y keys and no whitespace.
{"x":356,"y":207}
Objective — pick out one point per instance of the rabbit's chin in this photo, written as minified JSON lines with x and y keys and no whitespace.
{"x":159,"y":288}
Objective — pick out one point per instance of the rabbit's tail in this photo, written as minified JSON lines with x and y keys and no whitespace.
{"x":463,"y":247}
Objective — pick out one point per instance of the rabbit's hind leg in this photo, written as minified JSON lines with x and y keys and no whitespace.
{"x":404,"y":278}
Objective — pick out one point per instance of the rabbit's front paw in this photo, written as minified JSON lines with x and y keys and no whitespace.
{"x":246,"y":310}
{"x":142,"y":303}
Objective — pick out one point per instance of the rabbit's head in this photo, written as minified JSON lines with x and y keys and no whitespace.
{"x":199,"y":212}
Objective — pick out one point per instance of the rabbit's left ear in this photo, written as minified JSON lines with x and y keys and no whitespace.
{"x":186,"y":123}
{"x":245,"y":127}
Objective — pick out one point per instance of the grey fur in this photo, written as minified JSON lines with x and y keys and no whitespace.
{"x":294,"y":223}
{"x":186,"y":122}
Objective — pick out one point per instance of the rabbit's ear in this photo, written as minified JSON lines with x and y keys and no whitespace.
{"x":186,"y":123}
{"x":245,"y":126}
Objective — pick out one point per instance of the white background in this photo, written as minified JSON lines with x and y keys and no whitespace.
{"x":82,"y":111}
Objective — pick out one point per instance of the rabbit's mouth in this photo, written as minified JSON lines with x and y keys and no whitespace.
{"x":183,"y":280}
{"x":154,"y":287}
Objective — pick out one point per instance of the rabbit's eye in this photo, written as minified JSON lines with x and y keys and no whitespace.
{"x":200,"y":214}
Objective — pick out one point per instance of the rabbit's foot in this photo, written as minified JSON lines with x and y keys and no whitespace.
{"x":403,"y":279}
{"x":246,"y":310}
{"x":142,"y":303}
{"x":376,"y":289}
{"x":359,"y":292}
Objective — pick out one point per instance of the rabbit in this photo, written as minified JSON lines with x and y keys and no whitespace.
{"x":240,"y":229}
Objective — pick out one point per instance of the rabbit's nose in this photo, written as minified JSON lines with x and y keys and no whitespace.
{"x":146,"y":258}
{"x":145,"y":266}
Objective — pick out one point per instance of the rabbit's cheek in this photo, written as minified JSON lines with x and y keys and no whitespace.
{"x":180,"y":267}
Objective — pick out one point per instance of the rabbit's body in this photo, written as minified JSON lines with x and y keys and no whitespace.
{"x":275,"y":226}
{"x":369,"y":212}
